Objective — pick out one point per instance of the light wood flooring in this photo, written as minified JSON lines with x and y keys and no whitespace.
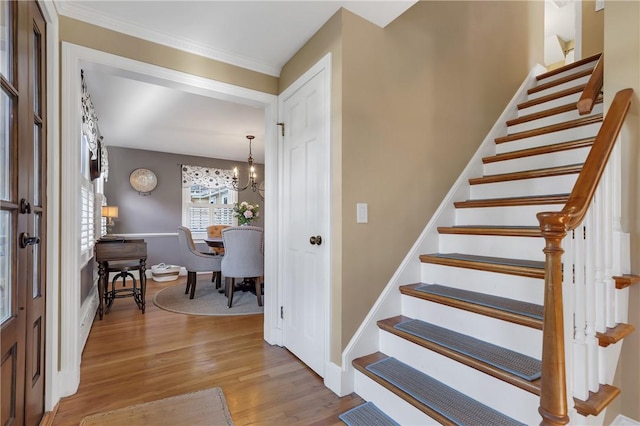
{"x":132,"y":358}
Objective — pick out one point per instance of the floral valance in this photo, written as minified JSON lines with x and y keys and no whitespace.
{"x":89,"y":120}
{"x":206,"y":176}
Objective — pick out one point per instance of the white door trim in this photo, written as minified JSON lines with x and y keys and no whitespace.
{"x":53,"y":205}
{"x":323,"y":64}
{"x":75,"y":58}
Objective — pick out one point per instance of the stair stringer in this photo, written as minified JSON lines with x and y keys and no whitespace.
{"x":340,"y":379}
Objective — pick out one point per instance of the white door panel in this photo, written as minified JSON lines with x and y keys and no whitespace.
{"x":305,"y":214}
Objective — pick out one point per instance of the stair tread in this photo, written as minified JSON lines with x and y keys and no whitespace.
{"x":497,"y":302}
{"x":567,"y":67}
{"x":492,"y":306}
{"x":431,"y":395}
{"x":513,"y":201}
{"x":571,"y":124}
{"x":366,"y":414}
{"x":521,"y":267}
{"x":557,"y":95}
{"x":490,"y":259}
{"x":548,"y":113}
{"x":541,"y":150}
{"x":626,"y":280}
{"x":528,"y":174}
{"x":559,"y":81}
{"x":521,"y":365}
{"x":514,"y":231}
{"x":614,"y":334}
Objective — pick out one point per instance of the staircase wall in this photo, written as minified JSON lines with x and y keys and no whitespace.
{"x":622,"y":59}
{"x":388,"y":304}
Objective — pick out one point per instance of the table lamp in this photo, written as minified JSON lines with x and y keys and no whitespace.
{"x":110,"y":212}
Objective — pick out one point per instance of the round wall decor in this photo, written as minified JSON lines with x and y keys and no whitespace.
{"x":143,"y":180}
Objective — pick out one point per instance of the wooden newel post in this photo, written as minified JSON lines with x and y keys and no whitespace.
{"x":553,"y":391}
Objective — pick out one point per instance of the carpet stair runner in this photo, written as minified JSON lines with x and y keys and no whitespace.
{"x":466,"y":349}
{"x":366,"y":414}
{"x":438,"y":400}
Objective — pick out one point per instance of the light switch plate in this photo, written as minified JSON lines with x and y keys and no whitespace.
{"x":362,"y":214}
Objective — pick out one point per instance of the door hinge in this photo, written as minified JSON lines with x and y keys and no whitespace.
{"x":281,"y":312}
{"x":281,"y":127}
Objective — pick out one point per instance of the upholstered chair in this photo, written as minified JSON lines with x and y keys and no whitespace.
{"x":243,"y":258}
{"x":195,"y":261}
{"x":215,"y":231}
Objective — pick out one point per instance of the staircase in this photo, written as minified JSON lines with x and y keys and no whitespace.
{"x":463,"y":344}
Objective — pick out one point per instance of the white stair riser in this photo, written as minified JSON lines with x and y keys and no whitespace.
{"x":572,"y":134}
{"x":525,"y":340}
{"x":491,"y":245}
{"x":520,"y":405}
{"x":517,"y":188}
{"x":553,"y":119}
{"x":568,"y":99}
{"x":502,"y":285}
{"x":507,"y":216}
{"x":533,"y":162}
{"x":560,"y":87}
{"x":587,"y":66}
{"x":392,"y":405}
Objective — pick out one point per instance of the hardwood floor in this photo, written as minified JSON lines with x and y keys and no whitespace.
{"x":132,"y":358}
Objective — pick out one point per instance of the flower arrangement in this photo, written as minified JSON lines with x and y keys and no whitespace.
{"x":246,"y":213}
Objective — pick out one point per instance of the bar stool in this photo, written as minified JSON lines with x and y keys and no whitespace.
{"x":123,"y":269}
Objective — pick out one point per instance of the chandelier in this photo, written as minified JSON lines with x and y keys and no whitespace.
{"x":251,"y":181}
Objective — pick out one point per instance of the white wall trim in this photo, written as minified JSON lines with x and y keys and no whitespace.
{"x":388,"y":304}
{"x":75,"y":58}
{"x":146,"y":235}
{"x":107,"y":21}
{"x":51,"y":392}
{"x":621,"y":420}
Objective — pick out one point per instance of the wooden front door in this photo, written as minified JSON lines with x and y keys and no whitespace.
{"x":22,"y":211}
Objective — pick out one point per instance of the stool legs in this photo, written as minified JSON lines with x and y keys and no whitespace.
{"x":137,"y":293}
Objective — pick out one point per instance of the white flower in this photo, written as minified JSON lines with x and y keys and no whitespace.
{"x":248,"y":214}
{"x":244,"y":204}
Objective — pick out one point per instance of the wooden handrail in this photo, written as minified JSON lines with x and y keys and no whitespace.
{"x":593,"y":88}
{"x":554,"y":227}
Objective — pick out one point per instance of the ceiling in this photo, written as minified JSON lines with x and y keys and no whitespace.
{"x":258,"y":35}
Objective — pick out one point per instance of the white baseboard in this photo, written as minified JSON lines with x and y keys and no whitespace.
{"x":621,"y":420}
{"x":87,"y":314}
{"x":338,"y":380}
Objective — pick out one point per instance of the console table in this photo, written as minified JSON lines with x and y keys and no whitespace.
{"x":120,"y":255}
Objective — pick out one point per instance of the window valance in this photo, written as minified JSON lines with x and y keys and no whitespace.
{"x":91,"y":131}
{"x":89,"y":120}
{"x":206,"y":176}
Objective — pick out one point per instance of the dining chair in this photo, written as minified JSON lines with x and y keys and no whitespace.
{"x":215,"y":231}
{"x":195,"y":261}
{"x":243,"y":258}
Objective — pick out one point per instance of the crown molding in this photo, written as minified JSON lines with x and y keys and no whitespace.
{"x":74,"y":11}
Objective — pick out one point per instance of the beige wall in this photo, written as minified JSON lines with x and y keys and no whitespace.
{"x":98,"y":38}
{"x":592,"y":29}
{"x":622,"y":70}
{"x":412,"y":116}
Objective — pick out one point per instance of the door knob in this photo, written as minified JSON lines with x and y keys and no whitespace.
{"x":25,"y":206}
{"x":27,"y":240}
{"x":315,"y":240}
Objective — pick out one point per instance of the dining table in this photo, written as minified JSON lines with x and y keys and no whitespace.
{"x":214,"y":241}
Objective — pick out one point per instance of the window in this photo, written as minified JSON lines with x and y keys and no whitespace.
{"x":206,"y":199}
{"x":87,"y":205}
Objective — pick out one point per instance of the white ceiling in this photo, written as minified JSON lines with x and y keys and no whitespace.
{"x":258,"y":35}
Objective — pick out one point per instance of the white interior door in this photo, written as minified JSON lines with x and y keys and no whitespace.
{"x":305,"y":216}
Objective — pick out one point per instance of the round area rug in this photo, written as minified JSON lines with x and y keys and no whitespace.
{"x":207,"y":301}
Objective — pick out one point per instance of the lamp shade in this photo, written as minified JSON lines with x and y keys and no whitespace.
{"x":110,"y":211}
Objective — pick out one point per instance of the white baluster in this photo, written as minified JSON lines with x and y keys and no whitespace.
{"x":573,"y":273}
{"x":591,"y":298}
